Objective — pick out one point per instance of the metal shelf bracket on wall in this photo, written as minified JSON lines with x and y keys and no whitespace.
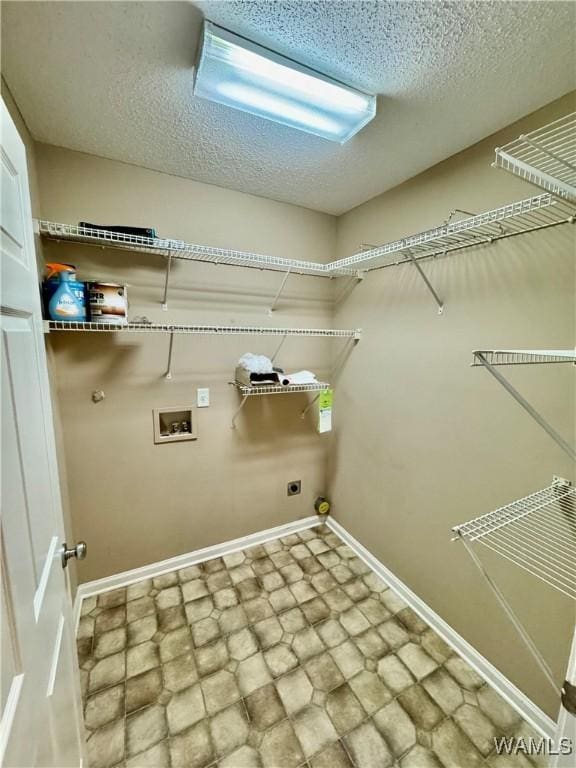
{"x":237,"y":411}
{"x":310,"y":404}
{"x":491,"y":359}
{"x":427,"y":282}
{"x":278,"y":293}
{"x":167,"y":281}
{"x":168,"y":374}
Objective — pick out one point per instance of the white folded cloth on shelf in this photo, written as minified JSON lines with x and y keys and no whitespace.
{"x":255,"y":363}
{"x":300,"y":377}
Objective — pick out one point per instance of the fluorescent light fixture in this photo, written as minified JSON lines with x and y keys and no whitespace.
{"x":238,"y":73}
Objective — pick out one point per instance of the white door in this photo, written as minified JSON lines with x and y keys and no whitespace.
{"x":41,"y":714}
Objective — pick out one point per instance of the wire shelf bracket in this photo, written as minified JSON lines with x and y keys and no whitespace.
{"x":168,"y":374}
{"x":491,"y":359}
{"x":166,"y":281}
{"x":427,"y":282}
{"x":545,"y":157}
{"x":278,"y":293}
{"x":536,"y":533}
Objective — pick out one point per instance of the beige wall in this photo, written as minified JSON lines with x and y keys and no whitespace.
{"x":133,"y":501}
{"x":423,"y":441}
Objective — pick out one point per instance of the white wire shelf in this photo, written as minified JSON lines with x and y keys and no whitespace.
{"x":517,"y":218}
{"x":179,"y":249}
{"x":545,"y":157}
{"x":222,"y":330}
{"x":278,"y":389}
{"x":524,"y":356}
{"x":536,"y":533}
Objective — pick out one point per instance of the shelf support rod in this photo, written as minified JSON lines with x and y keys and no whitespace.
{"x":237,"y":411}
{"x":278,"y":348}
{"x":518,"y":626}
{"x":310,"y":404}
{"x":166,"y":281}
{"x":168,"y":374}
{"x":279,"y":293}
{"x":427,"y":282}
{"x":553,"y":183}
{"x":558,"y":439}
{"x":546,"y":151}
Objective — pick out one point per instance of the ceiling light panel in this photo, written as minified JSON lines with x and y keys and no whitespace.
{"x":238,"y":73}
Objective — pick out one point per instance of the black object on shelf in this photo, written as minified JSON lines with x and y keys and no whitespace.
{"x":137,"y":231}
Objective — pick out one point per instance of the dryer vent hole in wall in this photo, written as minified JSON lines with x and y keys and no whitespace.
{"x":294,"y":487}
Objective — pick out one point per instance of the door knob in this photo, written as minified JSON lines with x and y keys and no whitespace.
{"x":79,"y":552}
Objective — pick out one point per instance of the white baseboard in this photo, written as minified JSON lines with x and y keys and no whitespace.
{"x":532,"y":714}
{"x":189,"y":558}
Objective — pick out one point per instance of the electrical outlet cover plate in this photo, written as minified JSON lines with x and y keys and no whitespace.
{"x":202,"y":397}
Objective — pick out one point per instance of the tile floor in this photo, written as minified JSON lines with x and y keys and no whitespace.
{"x":291,"y":653}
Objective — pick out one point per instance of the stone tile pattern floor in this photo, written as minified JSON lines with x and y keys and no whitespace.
{"x":290,"y":653}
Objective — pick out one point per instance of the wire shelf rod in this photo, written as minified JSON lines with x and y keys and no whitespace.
{"x":223,"y":330}
{"x":541,"y":564}
{"x":545,"y":157}
{"x":533,"y":503}
{"x":504,"y":213}
{"x":514,"y":218}
{"x":237,"y":411}
{"x":310,"y":404}
{"x":542,"y":527}
{"x":509,"y":611}
{"x":523,"y":356}
{"x":537,"y":560}
{"x":550,"y":151}
{"x":278,"y":389}
{"x":441,"y":250}
{"x":536,"y":528}
{"x":528,"y":512}
{"x":569,"y":591}
{"x":180,"y":249}
{"x":536,"y":546}
{"x":536,"y":533}
{"x":539,"y":557}
{"x":433,"y":254}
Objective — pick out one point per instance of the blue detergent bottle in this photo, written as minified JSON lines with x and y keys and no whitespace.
{"x":65,"y":304}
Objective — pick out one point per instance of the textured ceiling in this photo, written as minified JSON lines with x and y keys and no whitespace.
{"x":115,"y":79}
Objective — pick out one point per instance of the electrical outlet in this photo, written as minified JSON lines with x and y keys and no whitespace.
{"x":294,"y":487}
{"x":202,"y":397}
